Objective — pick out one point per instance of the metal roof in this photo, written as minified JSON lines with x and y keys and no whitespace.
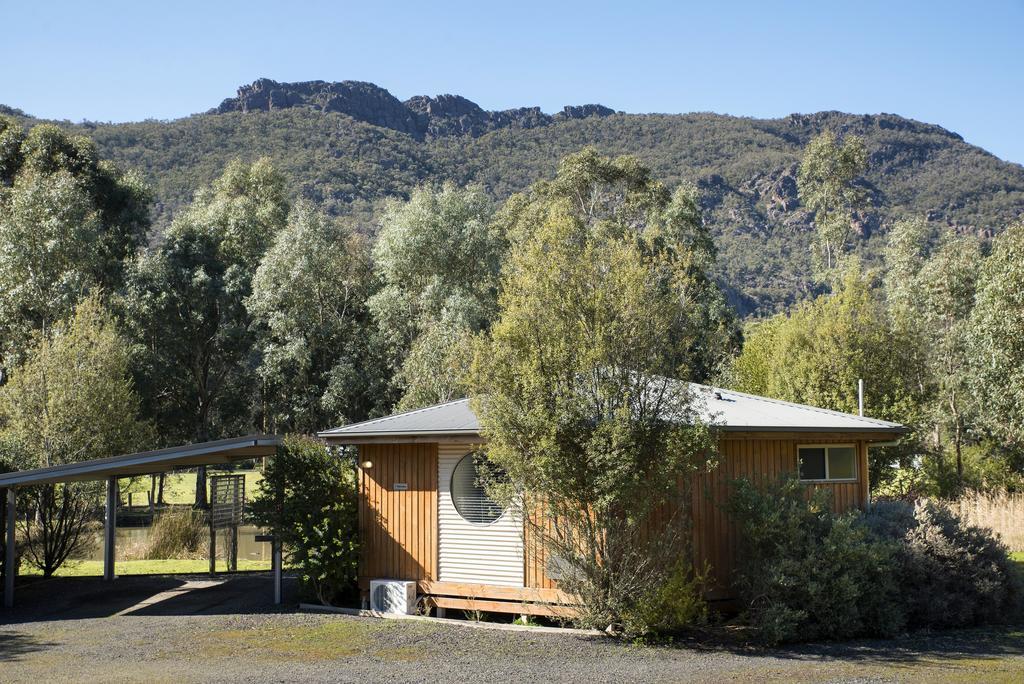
{"x":731,"y":411}
{"x":146,"y":462}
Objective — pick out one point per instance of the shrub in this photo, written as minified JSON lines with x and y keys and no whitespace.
{"x":177,"y":534}
{"x":671,"y":607}
{"x":951,"y":574}
{"x":805,"y":573}
{"x":307,"y":498}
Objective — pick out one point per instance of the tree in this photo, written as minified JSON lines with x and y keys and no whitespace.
{"x":621,"y":198}
{"x":308,"y":499}
{"x":70,"y":400}
{"x":67,"y":223}
{"x":186,"y":304}
{"x":931,"y":294}
{"x":317,"y":365}
{"x":438,"y":257}
{"x":827,"y":184}
{"x":816,"y":353}
{"x":996,"y":333}
{"x":578,"y":387}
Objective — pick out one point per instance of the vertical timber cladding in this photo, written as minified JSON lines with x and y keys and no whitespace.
{"x":398,"y":511}
{"x":759,"y":460}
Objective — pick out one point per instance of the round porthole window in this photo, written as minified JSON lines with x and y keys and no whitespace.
{"x":468,"y":493}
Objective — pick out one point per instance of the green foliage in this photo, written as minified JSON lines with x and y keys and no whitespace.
{"x":438,"y":257}
{"x":805,"y":573}
{"x":996,"y":327}
{"x":828,"y":188}
{"x":70,"y":400}
{"x":307,"y":498}
{"x":950,"y":574}
{"x":815,"y":355}
{"x":931,"y":292}
{"x":674,"y":606}
{"x":745,"y":169}
{"x":576,"y":388}
{"x":67,"y":223}
{"x":309,"y":297}
{"x":185,"y":305}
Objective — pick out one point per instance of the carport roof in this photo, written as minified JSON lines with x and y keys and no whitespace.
{"x":147,"y":462}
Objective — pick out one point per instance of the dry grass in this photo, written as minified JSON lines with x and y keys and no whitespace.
{"x":1002,"y":513}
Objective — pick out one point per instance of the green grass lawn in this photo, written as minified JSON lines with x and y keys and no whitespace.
{"x":180,"y":488}
{"x":88,"y":568}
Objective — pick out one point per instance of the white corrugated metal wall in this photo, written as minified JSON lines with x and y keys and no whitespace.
{"x":477,"y":554}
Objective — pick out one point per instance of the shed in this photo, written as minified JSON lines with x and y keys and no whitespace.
{"x":424,"y":519}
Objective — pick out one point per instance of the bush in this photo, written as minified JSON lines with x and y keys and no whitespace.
{"x":675,"y":605}
{"x":177,"y":534}
{"x":951,"y":574}
{"x":805,"y":573}
{"x":308,"y":499}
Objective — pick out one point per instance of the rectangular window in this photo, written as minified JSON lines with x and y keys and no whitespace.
{"x":824,"y":463}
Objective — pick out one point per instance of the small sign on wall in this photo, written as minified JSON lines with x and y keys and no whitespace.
{"x":400,"y":487}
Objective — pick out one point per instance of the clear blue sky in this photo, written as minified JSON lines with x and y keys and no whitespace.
{"x":957,"y":64}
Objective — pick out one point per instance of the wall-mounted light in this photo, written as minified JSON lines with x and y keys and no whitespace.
{"x":366,"y":465}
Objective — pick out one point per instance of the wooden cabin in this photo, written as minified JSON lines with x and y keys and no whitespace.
{"x":424,"y":518}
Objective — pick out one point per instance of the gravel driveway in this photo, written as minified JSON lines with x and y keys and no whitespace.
{"x":186,"y":629}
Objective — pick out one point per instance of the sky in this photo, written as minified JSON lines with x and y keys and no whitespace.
{"x":956,"y":64}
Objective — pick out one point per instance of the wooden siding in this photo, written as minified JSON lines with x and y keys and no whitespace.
{"x":398,"y":528}
{"x":759,"y":460}
{"x":475,"y":553}
{"x":714,"y":536}
{"x":417,"y":534}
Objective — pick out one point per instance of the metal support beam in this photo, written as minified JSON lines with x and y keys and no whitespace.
{"x":110,"y":529}
{"x":275,"y":562}
{"x":9,"y":559}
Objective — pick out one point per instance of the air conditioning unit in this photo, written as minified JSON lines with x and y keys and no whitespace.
{"x":393,"y":596}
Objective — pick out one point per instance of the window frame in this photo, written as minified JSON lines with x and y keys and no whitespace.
{"x":826,"y":447}
{"x":451,"y":496}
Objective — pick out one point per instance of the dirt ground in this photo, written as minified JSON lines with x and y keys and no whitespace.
{"x":184,"y":629}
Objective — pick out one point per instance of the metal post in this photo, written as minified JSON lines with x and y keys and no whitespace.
{"x":860,"y":396}
{"x":275,"y":562}
{"x":9,"y":559}
{"x":110,"y":529}
{"x":233,"y":554}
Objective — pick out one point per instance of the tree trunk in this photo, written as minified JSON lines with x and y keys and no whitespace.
{"x":201,"y":501}
{"x":160,"y":490}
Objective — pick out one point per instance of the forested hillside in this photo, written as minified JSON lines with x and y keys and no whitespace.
{"x":349,"y":145}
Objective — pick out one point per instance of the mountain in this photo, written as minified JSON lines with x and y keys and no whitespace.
{"x":350,"y":144}
{"x":419,"y":117}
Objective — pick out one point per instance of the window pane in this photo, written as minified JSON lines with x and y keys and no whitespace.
{"x":812,"y":464}
{"x":842,"y":463}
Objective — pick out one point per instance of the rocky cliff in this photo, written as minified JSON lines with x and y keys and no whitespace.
{"x":420,"y":116}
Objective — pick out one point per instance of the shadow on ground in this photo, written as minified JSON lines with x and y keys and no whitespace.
{"x":14,"y":645}
{"x":994,"y":642}
{"x":82,"y":598}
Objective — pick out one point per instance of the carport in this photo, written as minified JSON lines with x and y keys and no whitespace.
{"x":129,"y":465}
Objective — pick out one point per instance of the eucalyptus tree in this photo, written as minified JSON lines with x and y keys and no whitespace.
{"x":185,"y":303}
{"x":931,"y":286}
{"x":68,"y":222}
{"x":996,"y":329}
{"x":828,"y":187}
{"x":816,"y":353}
{"x":438,"y":257}
{"x":70,"y":400}
{"x":318,"y":364}
{"x":578,"y":385}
